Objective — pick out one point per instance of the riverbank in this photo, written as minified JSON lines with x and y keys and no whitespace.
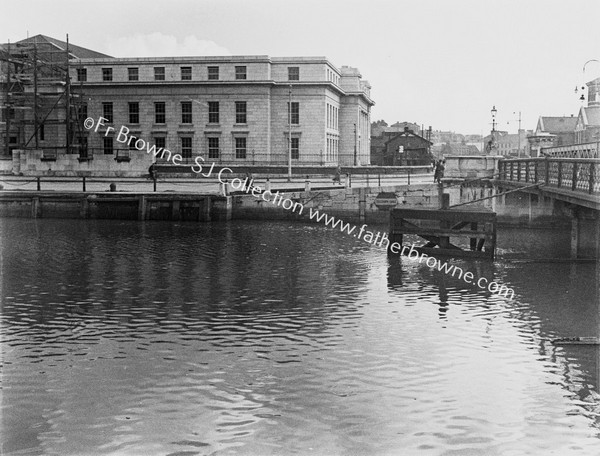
{"x":357,"y":204}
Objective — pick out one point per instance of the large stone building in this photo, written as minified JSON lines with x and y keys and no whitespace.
{"x":232,"y":110}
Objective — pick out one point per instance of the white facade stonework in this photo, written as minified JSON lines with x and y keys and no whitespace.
{"x":330,"y":119}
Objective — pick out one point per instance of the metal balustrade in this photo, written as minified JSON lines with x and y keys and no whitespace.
{"x":575,"y":174}
{"x":585,"y":150}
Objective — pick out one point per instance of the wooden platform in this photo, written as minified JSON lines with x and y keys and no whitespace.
{"x":439,"y":226}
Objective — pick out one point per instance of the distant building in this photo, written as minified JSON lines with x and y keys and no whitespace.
{"x":232,"y":110}
{"x":587,"y":127}
{"x":446,"y":137}
{"x":551,"y":131}
{"x":400,"y":149}
{"x":398,"y":127}
{"x":459,"y":149}
{"x":510,"y":144}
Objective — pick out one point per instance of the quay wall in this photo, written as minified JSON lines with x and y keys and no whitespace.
{"x":361,"y":204}
{"x":120,"y":206}
{"x":350,"y":204}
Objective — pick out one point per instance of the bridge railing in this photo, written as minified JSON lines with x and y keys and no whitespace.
{"x":575,"y":174}
{"x":585,"y":150}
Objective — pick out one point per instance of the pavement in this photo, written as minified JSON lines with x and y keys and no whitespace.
{"x":194,"y":185}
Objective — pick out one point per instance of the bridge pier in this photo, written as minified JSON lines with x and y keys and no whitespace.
{"x":585,"y":234}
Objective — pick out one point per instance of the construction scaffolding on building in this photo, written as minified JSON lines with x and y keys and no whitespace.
{"x":41,"y":110}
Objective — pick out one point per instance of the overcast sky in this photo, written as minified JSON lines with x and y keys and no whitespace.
{"x":443,"y":63}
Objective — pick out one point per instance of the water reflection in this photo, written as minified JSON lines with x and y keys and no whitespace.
{"x":256,"y":338}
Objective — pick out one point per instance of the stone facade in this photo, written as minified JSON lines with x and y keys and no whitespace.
{"x":228,"y":110}
{"x":230,"y":120}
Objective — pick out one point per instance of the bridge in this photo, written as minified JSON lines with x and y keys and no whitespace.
{"x":573,"y":180}
{"x":565,"y":180}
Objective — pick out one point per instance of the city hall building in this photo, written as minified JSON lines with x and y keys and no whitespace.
{"x":238,"y":110}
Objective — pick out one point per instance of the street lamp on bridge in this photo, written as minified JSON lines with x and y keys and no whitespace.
{"x":491,"y":145}
{"x":582,"y":97}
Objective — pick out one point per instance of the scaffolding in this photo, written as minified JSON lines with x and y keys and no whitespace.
{"x":40,"y":108}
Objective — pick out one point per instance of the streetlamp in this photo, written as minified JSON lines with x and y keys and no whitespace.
{"x":492,"y":142}
{"x":582,"y":97}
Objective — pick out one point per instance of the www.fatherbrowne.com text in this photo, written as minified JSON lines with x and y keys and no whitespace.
{"x":277,"y":199}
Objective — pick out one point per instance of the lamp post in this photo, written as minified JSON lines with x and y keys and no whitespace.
{"x":518,"y":133}
{"x":519,"y":136}
{"x":582,"y":97}
{"x":492,"y":142}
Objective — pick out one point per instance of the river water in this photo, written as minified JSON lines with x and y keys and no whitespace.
{"x":258,"y":338}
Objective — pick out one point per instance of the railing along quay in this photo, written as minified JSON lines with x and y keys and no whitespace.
{"x":575,"y":174}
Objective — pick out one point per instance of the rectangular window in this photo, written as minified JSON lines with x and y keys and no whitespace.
{"x":213,"y":147}
{"x":186,"y":147}
{"x":159,"y":73}
{"x":240,"y":148}
{"x":131,"y":141}
{"x":82,"y":110}
{"x":240,"y":112}
{"x":240,"y":72}
{"x":108,"y":145}
{"x":82,"y":141}
{"x":160,"y":112}
{"x":134,"y":113}
{"x":295,"y":148}
{"x":42,"y":132}
{"x":295,"y":112}
{"x":186,"y":73}
{"x":81,"y":74}
{"x":293,"y":73}
{"x":107,"y":112}
{"x":133,"y":74}
{"x":213,"y":73}
{"x":186,"y":112}
{"x":213,"y":112}
{"x":160,"y":142}
{"x":107,"y":74}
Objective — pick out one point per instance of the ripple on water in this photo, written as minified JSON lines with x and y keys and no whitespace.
{"x":255,"y":338}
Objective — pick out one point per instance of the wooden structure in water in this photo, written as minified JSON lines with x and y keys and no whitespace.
{"x":446,"y":231}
